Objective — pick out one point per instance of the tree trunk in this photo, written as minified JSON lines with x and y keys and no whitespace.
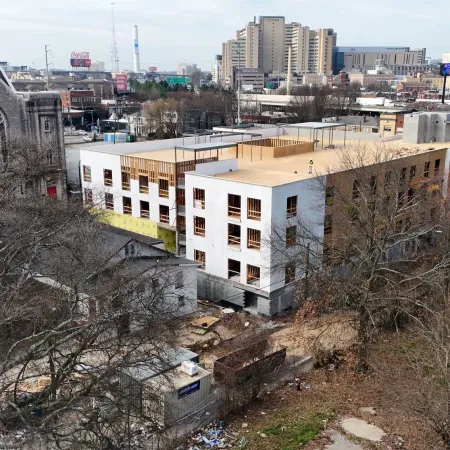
{"x":363,"y":341}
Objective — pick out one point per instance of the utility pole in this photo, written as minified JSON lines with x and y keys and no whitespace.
{"x":46,"y":63}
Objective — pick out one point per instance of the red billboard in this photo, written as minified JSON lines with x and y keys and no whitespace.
{"x":153,"y":69}
{"x":80,"y":59}
{"x":121,"y":82}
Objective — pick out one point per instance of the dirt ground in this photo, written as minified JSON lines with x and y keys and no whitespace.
{"x":271,"y":422}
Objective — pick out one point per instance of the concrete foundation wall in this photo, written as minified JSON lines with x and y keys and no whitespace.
{"x":216,"y":289}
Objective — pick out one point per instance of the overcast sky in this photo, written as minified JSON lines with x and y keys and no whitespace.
{"x":175,"y":31}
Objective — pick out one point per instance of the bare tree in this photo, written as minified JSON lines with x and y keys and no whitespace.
{"x":73,"y":315}
{"x":165,"y":118}
{"x":380,"y":221}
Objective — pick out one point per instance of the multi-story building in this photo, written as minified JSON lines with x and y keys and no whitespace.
{"x":225,"y":209}
{"x":186,"y":69}
{"x":426,"y":127}
{"x":35,"y":116}
{"x":217,"y":70}
{"x":366,"y":58}
{"x":236,"y":210}
{"x":248,"y":79}
{"x":265,"y":44}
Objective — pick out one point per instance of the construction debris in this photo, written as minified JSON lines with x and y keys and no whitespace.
{"x":212,"y":436}
{"x":205,"y":322}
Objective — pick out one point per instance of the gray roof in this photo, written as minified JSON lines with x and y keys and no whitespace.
{"x":169,"y":360}
{"x":120,"y":232}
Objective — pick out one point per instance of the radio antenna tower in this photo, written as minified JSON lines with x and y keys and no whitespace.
{"x":114,"y":50}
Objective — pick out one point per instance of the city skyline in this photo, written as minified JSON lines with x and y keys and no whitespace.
{"x":197,"y":36}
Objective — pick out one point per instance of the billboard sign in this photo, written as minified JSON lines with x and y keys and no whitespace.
{"x":445,"y":69}
{"x":153,"y":69}
{"x":80,"y":59}
{"x":179,"y":80}
{"x":121,"y":82}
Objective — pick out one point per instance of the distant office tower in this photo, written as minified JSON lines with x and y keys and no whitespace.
{"x":264,"y":45}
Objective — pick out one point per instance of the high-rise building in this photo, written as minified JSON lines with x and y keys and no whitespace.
{"x":264,"y":45}
{"x":366,"y":58}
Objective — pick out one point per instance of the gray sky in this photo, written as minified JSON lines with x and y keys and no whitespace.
{"x":175,"y":31}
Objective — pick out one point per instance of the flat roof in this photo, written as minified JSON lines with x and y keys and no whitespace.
{"x":206,"y":146}
{"x":168,"y":155}
{"x":177,"y":379}
{"x":314,"y":125}
{"x":290,"y":169}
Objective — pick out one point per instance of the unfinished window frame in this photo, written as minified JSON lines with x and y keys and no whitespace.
{"x":199,"y":198}
{"x":126,"y":180}
{"x":127,"y":209}
{"x":88,"y":196}
{"x":143,"y":188}
{"x":200,"y":257}
{"x":291,"y":236}
{"x":291,"y":206}
{"x":163,"y":217}
{"x":199,"y":226}
{"x":329,"y":196}
{"x":87,"y":174}
{"x":234,"y":211}
{"x":234,"y":235}
{"x":289,"y":273}
{"x":163,"y":187}
{"x":254,"y":209}
{"x":426,"y":169}
{"x":437,"y":166}
{"x":109,"y":201}
{"x":253,"y":275}
{"x":253,"y":239}
{"x":144,"y":213}
{"x":107,"y":180}
{"x":231,"y":272}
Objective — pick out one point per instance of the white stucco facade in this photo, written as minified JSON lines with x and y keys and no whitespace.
{"x":215,"y":243}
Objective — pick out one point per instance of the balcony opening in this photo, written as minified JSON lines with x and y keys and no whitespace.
{"x":234,"y":270}
{"x":143,"y":184}
{"x":329,"y":196}
{"x":253,"y":275}
{"x":200,"y":257}
{"x":145,"y":209}
{"x":291,"y":206}
{"x":163,"y":188}
{"x":234,"y":206}
{"x":181,"y":222}
{"x":199,"y":198}
{"x":87,"y":174}
{"x":234,"y":235}
{"x":127,"y":209}
{"x":126,"y":179}
{"x":164,"y":216}
{"x":107,"y":177}
{"x":253,"y":239}
{"x":109,"y":202}
{"x":254,"y":209}
{"x":199,"y":226}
